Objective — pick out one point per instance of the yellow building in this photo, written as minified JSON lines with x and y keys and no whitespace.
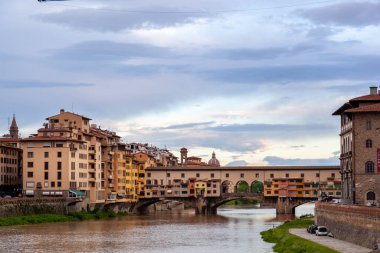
{"x":143,"y":161}
{"x":200,"y":188}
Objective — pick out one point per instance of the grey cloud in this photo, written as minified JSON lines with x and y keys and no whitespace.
{"x":190,"y":125}
{"x":30,"y":84}
{"x":273,"y":128}
{"x":115,"y":21}
{"x":237,"y":163}
{"x":345,"y":14}
{"x":275,"y":160}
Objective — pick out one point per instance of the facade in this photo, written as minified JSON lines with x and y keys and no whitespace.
{"x":10,"y":169}
{"x":63,"y":158}
{"x":360,"y":149}
{"x":214,"y":181}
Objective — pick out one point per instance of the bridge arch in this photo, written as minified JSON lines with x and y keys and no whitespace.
{"x":227,"y":187}
{"x":257,"y":186}
{"x":242,"y":187}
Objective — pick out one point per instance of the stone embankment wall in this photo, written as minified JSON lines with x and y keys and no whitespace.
{"x":356,"y":224}
{"x":28,"y":206}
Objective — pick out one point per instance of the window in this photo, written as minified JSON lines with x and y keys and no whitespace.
{"x":227,"y":175}
{"x":287,"y":175}
{"x":59,"y":154}
{"x":302,"y":175}
{"x":59,"y":165}
{"x":371,"y":196}
{"x":59,"y":175}
{"x":30,"y":174}
{"x":368,"y":143}
{"x":182,"y":175}
{"x":197,"y":175}
{"x":59,"y":145}
{"x":52,"y":184}
{"x":59,"y":184}
{"x":332,"y":174}
{"x":212,"y":175}
{"x":368,"y":124}
{"x":242,"y":175}
{"x":46,"y":154}
{"x":30,"y":154}
{"x":369,"y":167}
{"x":317,"y":175}
{"x":148,"y":174}
{"x":271,"y":176}
{"x":257,"y":175}
{"x":46,"y":165}
{"x":168,"y":174}
{"x":30,"y":164}
{"x":46,"y":175}
{"x":72,"y":175}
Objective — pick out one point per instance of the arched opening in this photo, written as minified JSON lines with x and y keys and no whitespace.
{"x":371,"y":198}
{"x":257,"y":187}
{"x":242,"y":186}
{"x":227,"y":187}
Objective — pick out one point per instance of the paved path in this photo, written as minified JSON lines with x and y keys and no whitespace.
{"x":333,"y":243}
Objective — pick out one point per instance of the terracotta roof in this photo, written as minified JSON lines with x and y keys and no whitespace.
{"x":9,"y":140}
{"x":367,"y":98}
{"x":366,"y":108}
{"x":50,"y":138}
{"x":342,"y":109}
{"x":53,"y":130}
{"x":69,"y":113}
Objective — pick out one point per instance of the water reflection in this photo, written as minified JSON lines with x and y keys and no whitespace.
{"x":232,"y":230}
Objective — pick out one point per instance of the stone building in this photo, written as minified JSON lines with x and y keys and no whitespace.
{"x":360,"y":149}
{"x":10,"y":169}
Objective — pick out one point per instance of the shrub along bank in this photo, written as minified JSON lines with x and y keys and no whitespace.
{"x":49,"y":218}
{"x":288,"y":243}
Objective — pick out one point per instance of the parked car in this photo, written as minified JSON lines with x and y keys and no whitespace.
{"x":377,"y":246}
{"x":7,"y":196}
{"x":311,"y":229}
{"x":321,"y":230}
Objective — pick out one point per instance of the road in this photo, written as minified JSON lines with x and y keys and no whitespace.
{"x":333,"y":243}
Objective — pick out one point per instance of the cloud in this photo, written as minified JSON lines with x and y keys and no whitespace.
{"x":32,"y":84}
{"x":356,"y":14}
{"x":189,"y":125}
{"x":275,"y":160}
{"x":269,"y":128}
{"x":104,"y":20}
{"x":237,"y":163}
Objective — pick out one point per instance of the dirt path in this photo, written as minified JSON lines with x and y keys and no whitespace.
{"x":338,"y":245}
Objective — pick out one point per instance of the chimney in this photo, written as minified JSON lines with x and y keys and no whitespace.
{"x":373,"y":90}
{"x":62,"y":110}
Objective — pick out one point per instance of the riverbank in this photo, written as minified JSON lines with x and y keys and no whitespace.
{"x":288,"y":243}
{"x":51,"y":218}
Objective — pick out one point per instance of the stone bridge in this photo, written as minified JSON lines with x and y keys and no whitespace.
{"x":209,"y":205}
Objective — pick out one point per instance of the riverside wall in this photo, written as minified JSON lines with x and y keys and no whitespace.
{"x":357,"y":224}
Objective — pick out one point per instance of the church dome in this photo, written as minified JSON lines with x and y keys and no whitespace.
{"x":213,"y":161}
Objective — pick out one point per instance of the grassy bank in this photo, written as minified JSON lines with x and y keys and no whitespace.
{"x":49,"y":218}
{"x":288,"y":243}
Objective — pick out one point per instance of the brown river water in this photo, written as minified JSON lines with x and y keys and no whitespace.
{"x":234,"y":230}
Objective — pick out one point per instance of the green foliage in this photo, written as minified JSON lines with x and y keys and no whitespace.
{"x":240,"y":202}
{"x":49,"y":218}
{"x":288,"y":243}
{"x":243,"y":187}
{"x":258,"y":187}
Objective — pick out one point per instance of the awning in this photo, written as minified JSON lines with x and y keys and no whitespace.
{"x":78,"y":193}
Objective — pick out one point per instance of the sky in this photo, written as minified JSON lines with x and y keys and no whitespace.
{"x":254,"y":81}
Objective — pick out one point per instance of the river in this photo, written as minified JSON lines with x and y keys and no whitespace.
{"x":234,"y":230}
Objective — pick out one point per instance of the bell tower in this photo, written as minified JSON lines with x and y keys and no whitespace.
{"x":183,"y":156}
{"x":13,"y":130}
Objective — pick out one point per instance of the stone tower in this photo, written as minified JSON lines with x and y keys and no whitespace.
{"x":13,"y":130}
{"x":183,"y":156}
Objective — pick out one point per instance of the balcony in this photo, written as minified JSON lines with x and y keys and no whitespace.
{"x":91,"y":179}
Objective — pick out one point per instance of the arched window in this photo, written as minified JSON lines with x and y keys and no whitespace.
{"x":368,"y":143}
{"x":371,"y":196}
{"x":369,"y":167}
{"x":368,"y":124}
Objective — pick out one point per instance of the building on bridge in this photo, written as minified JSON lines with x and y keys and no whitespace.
{"x":300,"y":181}
{"x":360,"y":149}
